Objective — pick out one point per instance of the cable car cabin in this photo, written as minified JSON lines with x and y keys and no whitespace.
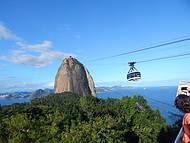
{"x":133,"y":73}
{"x":133,"y":76}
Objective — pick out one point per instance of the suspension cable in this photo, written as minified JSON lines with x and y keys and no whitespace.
{"x":143,"y":49}
{"x":163,"y":58}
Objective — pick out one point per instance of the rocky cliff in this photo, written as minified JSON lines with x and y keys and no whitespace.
{"x":72,"y":76}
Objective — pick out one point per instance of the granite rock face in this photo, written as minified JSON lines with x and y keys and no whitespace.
{"x":72,"y":76}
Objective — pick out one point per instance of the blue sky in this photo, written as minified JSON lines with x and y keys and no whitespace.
{"x":35,"y":36}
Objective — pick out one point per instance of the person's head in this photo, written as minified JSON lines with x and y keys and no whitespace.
{"x":182,"y":102}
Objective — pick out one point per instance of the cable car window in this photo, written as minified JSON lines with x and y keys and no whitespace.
{"x":133,"y":73}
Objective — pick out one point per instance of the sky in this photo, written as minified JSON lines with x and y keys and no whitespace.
{"x":36,"y":35}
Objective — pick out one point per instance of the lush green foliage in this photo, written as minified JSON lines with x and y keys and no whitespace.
{"x":69,"y":118}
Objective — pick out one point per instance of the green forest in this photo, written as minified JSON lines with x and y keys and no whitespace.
{"x":69,"y":118}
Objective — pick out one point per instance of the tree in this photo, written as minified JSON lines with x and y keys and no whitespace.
{"x":69,"y":118}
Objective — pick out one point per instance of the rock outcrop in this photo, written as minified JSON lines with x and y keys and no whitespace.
{"x":72,"y":76}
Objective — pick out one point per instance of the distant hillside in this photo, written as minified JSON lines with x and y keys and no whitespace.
{"x":107,"y":89}
{"x":40,"y":92}
{"x":69,"y":118}
{"x":21,"y":94}
{"x":26,"y":94}
{"x":102,"y":89}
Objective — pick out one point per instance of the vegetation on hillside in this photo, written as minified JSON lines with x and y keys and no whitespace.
{"x":68,"y":118}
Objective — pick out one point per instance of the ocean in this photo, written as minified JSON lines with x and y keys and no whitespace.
{"x":9,"y":101}
{"x":161,"y":98}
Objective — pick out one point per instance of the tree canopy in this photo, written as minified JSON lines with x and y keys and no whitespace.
{"x":69,"y":118}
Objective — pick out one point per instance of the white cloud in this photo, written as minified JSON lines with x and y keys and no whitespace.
{"x":6,"y":34}
{"x":45,"y":45}
{"x":43,"y":58}
{"x":37,"y":55}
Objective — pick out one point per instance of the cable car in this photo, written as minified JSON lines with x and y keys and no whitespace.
{"x":133,"y":74}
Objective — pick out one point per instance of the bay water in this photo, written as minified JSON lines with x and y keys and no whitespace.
{"x":161,"y":98}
